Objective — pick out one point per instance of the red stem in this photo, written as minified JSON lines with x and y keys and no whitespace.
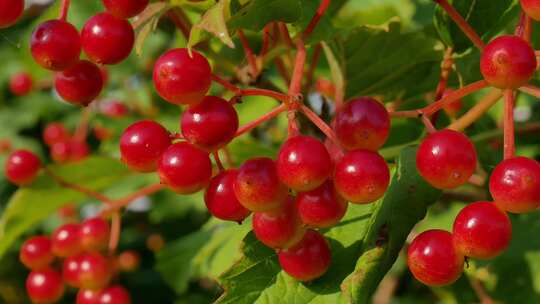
{"x":429,"y":125}
{"x":446,"y":68}
{"x":226,"y":84}
{"x":509,"y":128}
{"x":315,"y":20}
{"x":116,"y":225}
{"x":454,"y":96}
{"x":180,"y":20}
{"x":251,"y":58}
{"x":64,"y":8}
{"x":531,"y":90}
{"x":251,"y":125}
{"x":298,"y":72}
{"x":124,"y":201}
{"x":82,"y":128}
{"x":268,"y":93}
{"x":313,"y":65}
{"x":266,"y":40}
{"x":215,"y":154}
{"x":462,"y":23}
{"x":323,"y":126}
{"x":282,"y":70}
{"x":285,"y":34}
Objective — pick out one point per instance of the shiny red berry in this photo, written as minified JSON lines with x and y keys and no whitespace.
{"x":142,"y":145}
{"x":44,"y":286}
{"x":221,"y":200}
{"x":515,"y":185}
{"x":36,"y":252}
{"x":433,"y":259}
{"x":10,"y":12}
{"x":55,"y":45}
{"x":210,"y":124}
{"x":20,"y":84}
{"x":531,"y":8}
{"x":307,"y":260}
{"x":125,"y":8}
{"x":69,"y":83}
{"x":446,"y":159}
{"x":258,"y":187}
{"x":70,"y":271}
{"x":185,"y":168}
{"x":78,"y":150}
{"x":115,"y":295}
{"x":363,"y":123}
{"x":95,"y":271}
{"x":88,"y":296}
{"x":303,"y":163}
{"x":107,"y":39}
{"x":22,"y":167}
{"x":322,"y":207}
{"x":508,"y":62}
{"x":181,"y":78}
{"x":94,"y":234}
{"x":55,"y":132}
{"x":361,"y":176}
{"x":66,"y":240}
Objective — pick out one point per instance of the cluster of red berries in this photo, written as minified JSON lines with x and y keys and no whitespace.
{"x":72,"y":256}
{"x":63,"y":146}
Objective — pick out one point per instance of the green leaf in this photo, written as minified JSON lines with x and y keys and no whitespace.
{"x":335,"y":69}
{"x":213,"y":21}
{"x":257,"y":13}
{"x":146,"y":23}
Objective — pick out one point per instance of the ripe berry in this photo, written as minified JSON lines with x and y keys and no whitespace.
{"x":115,"y":295}
{"x":322,"y":207}
{"x":363,"y":123}
{"x":303,"y":163}
{"x":280,"y":228}
{"x":55,"y":45}
{"x":325,"y":87}
{"x":180,"y":78}
{"x":531,"y":8}
{"x":446,"y":159}
{"x":307,"y":260}
{"x":125,"y":8}
{"x":22,"y":167}
{"x":10,"y":12}
{"x":258,"y":187}
{"x":142,"y":144}
{"x":87,"y":296}
{"x":221,"y":200}
{"x":20,"y":84}
{"x":70,"y":271}
{"x":113,"y":109}
{"x":36,"y":252}
{"x":508,"y":62}
{"x":44,"y":286}
{"x":94,"y":271}
{"x":60,"y":151}
{"x":482,"y":231}
{"x":361,"y":176}
{"x":210,"y":124}
{"x":515,"y":185}
{"x":185,"y":168}
{"x":68,"y":83}
{"x":433,"y":260}
{"x":78,"y":150}
{"x":66,"y":240}
{"x":128,"y":261}
{"x":55,"y":132}
{"x":94,"y":234}
{"x":107,"y":39}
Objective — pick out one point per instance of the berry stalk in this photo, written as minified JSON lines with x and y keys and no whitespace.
{"x":315,"y":20}
{"x":317,"y":121}
{"x":64,"y":8}
{"x":509,"y":128}
{"x":462,"y":23}
{"x":250,"y":55}
{"x":116,"y":227}
{"x":477,"y":111}
{"x":250,"y":126}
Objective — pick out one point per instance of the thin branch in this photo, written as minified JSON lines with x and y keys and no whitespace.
{"x":313,"y":65}
{"x":479,"y":109}
{"x":285,"y":34}
{"x":251,"y":125}
{"x":215,"y":154}
{"x":89,"y":192}
{"x":509,"y":128}
{"x":427,"y":123}
{"x":250,"y":55}
{"x":226,"y":84}
{"x":462,"y":23}
{"x":116,"y":226}
{"x":262,"y":92}
{"x":531,"y":90}
{"x":315,"y":20}
{"x":323,"y":126}
{"x":454,"y":96}
{"x":116,"y":205}
{"x":82,"y":128}
{"x":64,"y":8}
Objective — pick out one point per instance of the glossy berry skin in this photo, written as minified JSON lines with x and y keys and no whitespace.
{"x":55,"y":45}
{"x":88,"y":296}
{"x":107,"y":39}
{"x":211,"y":124}
{"x":446,"y":159}
{"x":55,"y":132}
{"x":361,"y":176}
{"x":221,"y":200}
{"x":36,"y":253}
{"x":433,"y":259}
{"x":44,"y":286}
{"x":280,"y":228}
{"x":508,"y":62}
{"x":303,"y":163}
{"x":20,"y":84}
{"x":307,"y":260}
{"x":10,"y":12}
{"x":515,"y":185}
{"x":68,"y":83}
{"x":142,"y":145}
{"x":94,"y":234}
{"x":70,"y":271}
{"x":258,"y":187}
{"x":181,"y":79}
{"x":482,"y":231}
{"x":22,"y":167}
{"x":185,"y":168}
{"x":66,"y":240}
{"x":362,"y":123}
{"x":322,"y":207}
{"x":115,"y":295}
{"x":125,"y":8}
{"x":95,"y":271}
{"x":531,"y":8}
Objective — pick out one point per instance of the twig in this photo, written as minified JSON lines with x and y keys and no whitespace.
{"x":477,"y":111}
{"x":462,"y":23}
{"x":509,"y":128}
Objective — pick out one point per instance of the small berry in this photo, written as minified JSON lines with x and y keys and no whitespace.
{"x":20,"y":84}
{"x":10,"y":12}
{"x":22,"y":167}
{"x":531,"y":8}
{"x":307,"y":260}
{"x":142,"y":144}
{"x":55,"y":45}
{"x":94,"y":271}
{"x":94,"y":233}
{"x":36,"y":253}
{"x":113,"y":109}
{"x":128,"y":261}
{"x":55,"y":132}
{"x":78,"y":150}
{"x":115,"y":295}
{"x":125,"y":8}
{"x":66,"y":240}
{"x":68,"y":83}
{"x":221,"y":200}
{"x":181,"y":78}
{"x":88,"y":296}
{"x":44,"y":286}
{"x":70,"y":271}
{"x":60,"y":151}
{"x":322,"y":207}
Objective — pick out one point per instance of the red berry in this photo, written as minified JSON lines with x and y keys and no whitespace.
{"x":55,"y":45}
{"x":433,"y":260}
{"x":22,"y":167}
{"x":94,"y":271}
{"x":125,"y":8}
{"x":361,"y":176}
{"x":69,"y":86}
{"x":446,"y":159}
{"x":363,"y":123}
{"x":36,"y":252}
{"x":325,"y":87}
{"x":182,"y":79}
{"x":210,"y":124}
{"x":87,"y":296}
{"x":258,"y":187}
{"x":221,"y":200}
{"x":280,"y":228}
{"x":60,"y":151}
{"x":185,"y":168}
{"x":482,"y":231}
{"x":78,"y":150}
{"x":307,"y":260}
{"x":107,"y":39}
{"x":10,"y":12}
{"x":113,"y":109}
{"x":142,"y":144}
{"x":508,"y":62}
{"x":531,"y":8}
{"x":70,"y":271}
{"x":55,"y":132}
{"x":322,"y":207}
{"x":20,"y":84}
{"x":303,"y":163}
{"x":66,"y":240}
{"x":128,"y":261}
{"x":115,"y":295}
{"x":515,"y":185}
{"x":94,"y":233}
{"x":44,"y":286}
